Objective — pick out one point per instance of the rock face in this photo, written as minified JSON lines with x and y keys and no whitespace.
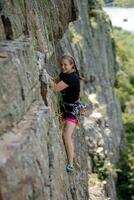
{"x":33,"y":36}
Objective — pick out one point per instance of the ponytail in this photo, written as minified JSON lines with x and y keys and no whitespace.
{"x":76,"y":69}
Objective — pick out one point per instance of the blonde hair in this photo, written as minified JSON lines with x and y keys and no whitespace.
{"x":72,"y":62}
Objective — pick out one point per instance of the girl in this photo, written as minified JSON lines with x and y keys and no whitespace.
{"x":69,"y":86}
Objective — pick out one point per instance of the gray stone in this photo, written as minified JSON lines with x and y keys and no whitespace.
{"x":32,"y":154}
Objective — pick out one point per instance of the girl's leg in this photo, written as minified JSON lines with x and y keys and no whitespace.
{"x":68,"y":141}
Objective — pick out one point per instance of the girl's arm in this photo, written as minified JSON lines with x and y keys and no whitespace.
{"x":57,"y":87}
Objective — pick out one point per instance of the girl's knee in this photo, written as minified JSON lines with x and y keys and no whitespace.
{"x":64,"y":135}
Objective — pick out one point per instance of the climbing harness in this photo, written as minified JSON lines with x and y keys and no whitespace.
{"x":78,"y":109}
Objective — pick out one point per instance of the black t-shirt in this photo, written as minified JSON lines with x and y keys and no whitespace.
{"x":71,"y":93}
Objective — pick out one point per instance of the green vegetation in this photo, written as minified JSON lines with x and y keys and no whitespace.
{"x":125,"y":90}
{"x":96,"y":4}
{"x":102,"y":166}
{"x":75,"y":36}
{"x":124,"y":3}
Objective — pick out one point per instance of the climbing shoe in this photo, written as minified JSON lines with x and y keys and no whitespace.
{"x":69,"y":168}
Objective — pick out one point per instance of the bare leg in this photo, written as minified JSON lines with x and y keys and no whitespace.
{"x":68,"y":141}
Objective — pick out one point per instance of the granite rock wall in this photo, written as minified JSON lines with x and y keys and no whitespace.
{"x":33,"y":36}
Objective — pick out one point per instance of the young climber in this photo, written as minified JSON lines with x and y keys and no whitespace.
{"x":69,"y":86}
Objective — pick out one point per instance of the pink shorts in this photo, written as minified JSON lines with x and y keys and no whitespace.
{"x":71,"y":120}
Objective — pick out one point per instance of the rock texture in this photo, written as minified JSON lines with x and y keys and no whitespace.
{"x":33,"y":36}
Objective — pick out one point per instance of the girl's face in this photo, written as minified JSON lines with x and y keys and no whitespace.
{"x":66,"y":67}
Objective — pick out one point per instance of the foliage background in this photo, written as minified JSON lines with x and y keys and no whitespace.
{"x":124,"y":87}
{"x":124,"y":3}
